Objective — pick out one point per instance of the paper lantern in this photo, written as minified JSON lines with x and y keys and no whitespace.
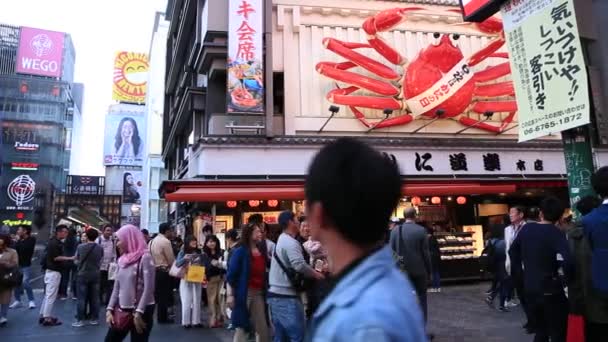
{"x":461,"y":200}
{"x":254,"y":203}
{"x":273,"y":203}
{"x":416,"y":200}
{"x":436,"y":200}
{"x":231,"y":204}
{"x":24,"y":88}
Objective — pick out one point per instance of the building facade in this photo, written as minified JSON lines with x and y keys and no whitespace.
{"x":39,"y":103}
{"x":231,"y":164}
{"x":153,"y":212}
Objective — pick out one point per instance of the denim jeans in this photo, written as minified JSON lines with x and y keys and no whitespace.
{"x":287,"y":318}
{"x":27,"y":276}
{"x":3,"y":310}
{"x":88,"y":293}
{"x":436,"y":279}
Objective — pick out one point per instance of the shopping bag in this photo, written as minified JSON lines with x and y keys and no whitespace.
{"x":177,"y":272}
{"x":576,"y":328}
{"x":112,"y":271}
{"x":195,"y":274}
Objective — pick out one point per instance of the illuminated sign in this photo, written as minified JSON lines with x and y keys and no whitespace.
{"x":130,"y":77}
{"x":21,"y":190}
{"x":24,"y":166}
{"x":480,"y":10}
{"x":26,"y":146}
{"x":12,"y":223}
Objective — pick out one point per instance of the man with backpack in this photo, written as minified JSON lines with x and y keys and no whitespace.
{"x":410,"y":244}
{"x":595,"y":227}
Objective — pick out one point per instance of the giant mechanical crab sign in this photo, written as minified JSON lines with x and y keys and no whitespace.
{"x":439,"y":83}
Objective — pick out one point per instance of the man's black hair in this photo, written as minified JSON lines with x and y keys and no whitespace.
{"x":164,"y":227}
{"x":145,"y":232}
{"x":92,"y":234}
{"x":552,"y":209}
{"x":533,"y":214}
{"x":599,"y":181}
{"x":60,"y":228}
{"x":586,"y":204}
{"x":358,"y":188}
{"x":208,"y":228}
{"x":232,"y":234}
{"x":27,"y":228}
{"x":520,"y":209}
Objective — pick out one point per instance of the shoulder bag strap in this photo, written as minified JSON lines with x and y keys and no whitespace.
{"x":400,"y":241}
{"x":135,"y":300}
{"x":276,"y":257}
{"x":86,"y":257}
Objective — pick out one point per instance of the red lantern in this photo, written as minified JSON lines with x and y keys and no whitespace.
{"x":273,"y":203}
{"x":20,"y":216}
{"x":231,"y":204}
{"x":436,"y":200}
{"x":24,"y":88}
{"x":416,"y":200}
{"x":254,"y":203}
{"x":56,"y":91}
{"x":461,"y":200}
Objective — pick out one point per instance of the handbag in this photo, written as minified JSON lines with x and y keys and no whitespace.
{"x":576,"y":328}
{"x":177,"y":272}
{"x":195,"y":274}
{"x":112,"y":271}
{"x":123,"y":318}
{"x":296,"y":279}
{"x":11,"y":277}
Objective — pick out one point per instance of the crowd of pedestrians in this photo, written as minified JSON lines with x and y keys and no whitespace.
{"x":330,"y":276}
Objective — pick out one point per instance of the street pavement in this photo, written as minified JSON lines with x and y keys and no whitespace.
{"x":458,"y":314}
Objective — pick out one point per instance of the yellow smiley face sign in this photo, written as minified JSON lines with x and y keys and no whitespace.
{"x":130,"y":77}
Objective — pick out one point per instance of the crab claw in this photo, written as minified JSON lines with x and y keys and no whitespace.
{"x":492,"y":25}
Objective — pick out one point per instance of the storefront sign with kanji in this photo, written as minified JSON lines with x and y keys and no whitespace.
{"x":246,"y":56}
{"x":547,"y":66}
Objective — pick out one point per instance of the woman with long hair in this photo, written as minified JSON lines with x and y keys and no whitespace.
{"x":215,"y":278}
{"x":127,"y":143}
{"x":133,"y":288}
{"x":8,"y":261}
{"x":129,"y":188}
{"x":189,"y":292}
{"x":247,"y":278}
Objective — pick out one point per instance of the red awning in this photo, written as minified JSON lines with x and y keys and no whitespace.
{"x":219,"y":193}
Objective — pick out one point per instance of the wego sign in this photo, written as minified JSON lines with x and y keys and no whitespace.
{"x":40,"y":52}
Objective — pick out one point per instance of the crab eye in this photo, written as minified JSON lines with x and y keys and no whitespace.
{"x":436,"y":37}
{"x":454,"y":39}
{"x":456,"y":36}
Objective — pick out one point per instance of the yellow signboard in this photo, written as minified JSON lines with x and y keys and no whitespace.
{"x":130,"y":77}
{"x":547,"y":66}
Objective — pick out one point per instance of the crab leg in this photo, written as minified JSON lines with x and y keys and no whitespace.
{"x":395,"y":121}
{"x":342,"y":96}
{"x":486,"y":52}
{"x":383,"y":21}
{"x":494,"y":90}
{"x":485,"y":126}
{"x":345,"y":49}
{"x":494,"y":72}
{"x":329,"y":69}
{"x":495,"y":106}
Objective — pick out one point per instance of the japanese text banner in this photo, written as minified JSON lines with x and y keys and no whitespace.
{"x":547,"y":65}
{"x":245,"y":56}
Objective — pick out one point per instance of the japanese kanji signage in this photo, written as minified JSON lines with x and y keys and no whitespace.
{"x":245,"y":56}
{"x":547,"y":65}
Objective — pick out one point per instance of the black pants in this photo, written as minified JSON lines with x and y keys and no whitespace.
{"x":596,"y":332}
{"x":119,"y":335}
{"x":420,"y":283}
{"x":163,"y":294}
{"x":548,"y":316}
{"x":68,"y":277}
{"x":105,"y":287}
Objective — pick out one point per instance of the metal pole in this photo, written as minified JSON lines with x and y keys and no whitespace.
{"x":268,"y":74}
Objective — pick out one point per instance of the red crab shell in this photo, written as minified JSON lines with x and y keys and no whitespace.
{"x":429,"y":67}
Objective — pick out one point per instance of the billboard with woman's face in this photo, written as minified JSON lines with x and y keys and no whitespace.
{"x":132,"y":187}
{"x":124,"y":144}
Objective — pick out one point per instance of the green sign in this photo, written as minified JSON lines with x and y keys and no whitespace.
{"x":548,"y":67}
{"x":579,"y":165}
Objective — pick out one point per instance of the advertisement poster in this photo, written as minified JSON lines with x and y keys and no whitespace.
{"x":40,"y":52}
{"x":547,"y":65}
{"x":85,"y":185}
{"x":132,"y":187}
{"x":130,"y":77}
{"x":245,"y":56}
{"x":20,"y":191}
{"x":124,"y":143}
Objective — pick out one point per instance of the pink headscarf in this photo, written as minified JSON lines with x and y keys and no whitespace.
{"x":133,"y":245}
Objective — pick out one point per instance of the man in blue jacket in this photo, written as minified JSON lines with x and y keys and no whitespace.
{"x":351,"y":190}
{"x":595,"y":227}
{"x":539,"y":254}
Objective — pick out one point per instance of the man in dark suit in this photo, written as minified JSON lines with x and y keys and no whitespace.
{"x":540,"y":256}
{"x":595,"y":228}
{"x":411,"y":245}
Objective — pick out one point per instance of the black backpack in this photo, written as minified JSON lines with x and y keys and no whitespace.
{"x":487,"y":260}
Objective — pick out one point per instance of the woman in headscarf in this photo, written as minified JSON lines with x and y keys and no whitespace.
{"x":133,"y":288}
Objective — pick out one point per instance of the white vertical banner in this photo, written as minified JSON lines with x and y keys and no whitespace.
{"x":245,"y":56}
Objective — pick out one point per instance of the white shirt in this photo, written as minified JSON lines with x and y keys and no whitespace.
{"x":510,"y":235}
